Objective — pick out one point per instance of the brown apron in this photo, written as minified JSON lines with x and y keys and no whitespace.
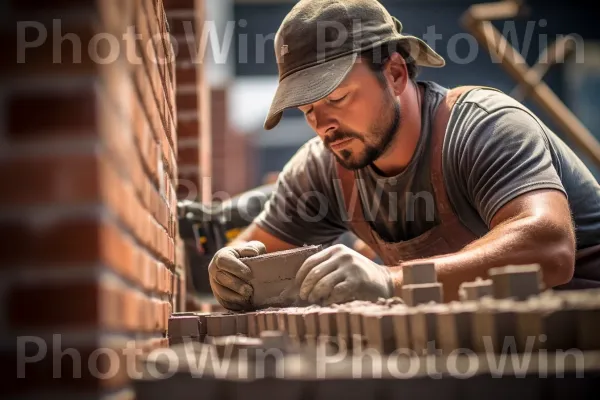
{"x":449,"y":235}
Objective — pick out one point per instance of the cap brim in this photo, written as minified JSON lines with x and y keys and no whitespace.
{"x":421,"y":52}
{"x":308,"y":86}
{"x":314,"y":83}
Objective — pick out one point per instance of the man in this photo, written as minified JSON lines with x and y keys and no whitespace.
{"x":466,"y":178}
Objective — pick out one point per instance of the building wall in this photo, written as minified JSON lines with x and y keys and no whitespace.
{"x":193,"y":100}
{"x":88,"y":159}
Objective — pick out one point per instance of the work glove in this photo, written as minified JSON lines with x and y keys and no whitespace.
{"x":338,"y":275}
{"x":229,"y":276}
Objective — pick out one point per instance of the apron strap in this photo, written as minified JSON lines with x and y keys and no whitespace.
{"x":438,"y":133}
{"x":352,"y":200}
{"x":353,"y":206}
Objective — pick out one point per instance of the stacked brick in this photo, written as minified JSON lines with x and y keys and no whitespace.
{"x":544,"y":344}
{"x":506,"y":335}
{"x":88,"y":160}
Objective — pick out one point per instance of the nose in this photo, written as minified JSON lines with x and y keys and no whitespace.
{"x":323,"y":122}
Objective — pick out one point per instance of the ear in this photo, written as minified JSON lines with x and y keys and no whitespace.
{"x":396,"y":73}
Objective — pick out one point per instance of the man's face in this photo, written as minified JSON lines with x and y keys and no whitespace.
{"x":358,"y":121}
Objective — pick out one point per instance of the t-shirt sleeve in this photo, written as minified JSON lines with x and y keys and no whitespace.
{"x":504,"y":155}
{"x":302,"y":208}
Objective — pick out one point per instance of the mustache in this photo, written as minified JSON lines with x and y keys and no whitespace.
{"x":340,"y":135}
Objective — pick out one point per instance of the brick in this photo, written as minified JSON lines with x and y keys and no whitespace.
{"x":188,"y":128}
{"x":179,"y":4}
{"x":516,"y":281}
{"x":271,"y":320}
{"x":261,"y":322}
{"x":187,"y":101}
{"x":311,"y":325}
{"x":424,"y":293}
{"x":66,"y":179}
{"x":342,"y":319}
{"x":157,"y":33}
{"x":454,"y":327}
{"x":423,"y":328}
{"x":327,"y":322}
{"x":252,"y":322}
{"x":186,"y":75}
{"x":50,"y":116}
{"x":356,"y":327}
{"x":47,"y":59}
{"x":220,"y":325}
{"x":279,"y":290}
{"x":241,"y":323}
{"x":76,"y":305}
{"x":379,"y":331}
{"x":494,"y":326}
{"x":189,"y":156}
{"x":401,"y":326}
{"x":52,"y":245}
{"x":419,"y":273}
{"x":281,"y":322}
{"x":295,"y":323}
{"x":146,"y":95}
{"x":181,"y":26}
{"x":186,"y":48}
{"x":545,"y":324}
{"x":475,"y":290}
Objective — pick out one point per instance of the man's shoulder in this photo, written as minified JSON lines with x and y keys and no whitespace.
{"x":489,"y":99}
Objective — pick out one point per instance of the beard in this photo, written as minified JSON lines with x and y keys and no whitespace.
{"x":382,"y":133}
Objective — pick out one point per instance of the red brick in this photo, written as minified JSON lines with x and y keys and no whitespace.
{"x":178,"y":4}
{"x":181,"y":26}
{"x":188,"y":129}
{"x":62,"y":113}
{"x":66,"y":306}
{"x":45,"y":59}
{"x":149,"y":105}
{"x":186,"y":75}
{"x":189,"y":156}
{"x":158,"y":31}
{"x":66,"y":179}
{"x":187,"y":48}
{"x":187,"y":102}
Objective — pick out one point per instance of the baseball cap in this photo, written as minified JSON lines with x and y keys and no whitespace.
{"x":319,"y":41}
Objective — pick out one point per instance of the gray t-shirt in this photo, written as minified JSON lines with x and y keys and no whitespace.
{"x":495,"y":149}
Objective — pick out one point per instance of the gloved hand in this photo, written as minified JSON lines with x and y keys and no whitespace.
{"x":339,"y":274}
{"x":229,"y":276}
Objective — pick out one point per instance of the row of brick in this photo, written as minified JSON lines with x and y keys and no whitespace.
{"x":128,"y":309}
{"x":545,"y":322}
{"x":121,"y":198}
{"x":159,"y":95}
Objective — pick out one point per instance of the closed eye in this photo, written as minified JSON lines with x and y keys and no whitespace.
{"x":338,"y":99}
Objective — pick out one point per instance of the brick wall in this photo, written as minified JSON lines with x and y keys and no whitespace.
{"x":193,"y":99}
{"x":88,"y":238}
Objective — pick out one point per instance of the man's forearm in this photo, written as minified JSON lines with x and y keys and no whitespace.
{"x":521,"y":241}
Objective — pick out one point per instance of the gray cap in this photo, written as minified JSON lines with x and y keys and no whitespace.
{"x":319,"y":41}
